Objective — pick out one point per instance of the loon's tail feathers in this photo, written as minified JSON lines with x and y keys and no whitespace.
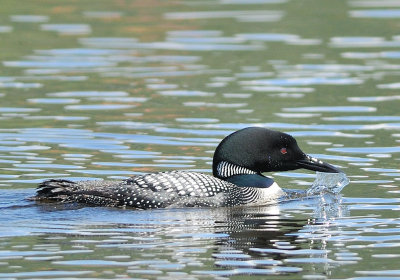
{"x":87,"y":192}
{"x":54,"y":188}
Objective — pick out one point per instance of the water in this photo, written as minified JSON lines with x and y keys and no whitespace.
{"x":121,"y":88}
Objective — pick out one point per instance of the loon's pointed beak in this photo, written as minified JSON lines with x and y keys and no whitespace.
{"x":314,"y":164}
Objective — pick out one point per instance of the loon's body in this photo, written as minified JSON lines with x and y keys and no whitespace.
{"x":238,"y":163}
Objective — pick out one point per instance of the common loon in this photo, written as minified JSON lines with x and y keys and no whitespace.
{"x":238,"y":163}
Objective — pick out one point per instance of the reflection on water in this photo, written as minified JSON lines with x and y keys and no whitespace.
{"x":285,"y":238}
{"x":129,"y":88}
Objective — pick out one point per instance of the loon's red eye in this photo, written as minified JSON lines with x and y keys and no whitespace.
{"x":283,"y":151}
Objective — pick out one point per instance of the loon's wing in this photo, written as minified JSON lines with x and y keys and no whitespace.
{"x":176,"y":189}
{"x":154,"y":190}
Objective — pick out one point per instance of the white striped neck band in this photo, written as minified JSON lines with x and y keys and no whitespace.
{"x":226,"y":169}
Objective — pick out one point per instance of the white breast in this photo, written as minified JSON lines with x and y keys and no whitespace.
{"x":268,"y":195}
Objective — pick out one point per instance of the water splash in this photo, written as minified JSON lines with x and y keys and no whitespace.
{"x":324,"y":183}
{"x":328,"y":183}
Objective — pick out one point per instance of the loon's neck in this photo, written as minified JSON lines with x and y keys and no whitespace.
{"x":241,"y":176}
{"x":226,"y":169}
{"x":251,"y":181}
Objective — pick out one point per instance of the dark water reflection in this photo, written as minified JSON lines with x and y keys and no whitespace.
{"x":126,"y":88}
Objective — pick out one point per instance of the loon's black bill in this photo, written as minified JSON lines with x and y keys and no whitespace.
{"x":317,"y":165}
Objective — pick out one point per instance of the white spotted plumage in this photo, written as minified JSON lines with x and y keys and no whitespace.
{"x":157,"y":190}
{"x":163,"y":189}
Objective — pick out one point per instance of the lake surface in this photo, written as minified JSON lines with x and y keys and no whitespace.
{"x":109,"y":89}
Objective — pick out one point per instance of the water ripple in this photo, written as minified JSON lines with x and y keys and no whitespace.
{"x":58,"y":64}
{"x":389,"y":13}
{"x":29,"y":18}
{"x":331,"y":109}
{"x":262,"y":15}
{"x":366,"y":150}
{"x":124,"y":44}
{"x":5,"y":28}
{"x":98,"y":107}
{"x":68,"y":29}
{"x":53,"y":101}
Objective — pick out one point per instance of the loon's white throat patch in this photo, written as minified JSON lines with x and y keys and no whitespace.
{"x":226,"y":169}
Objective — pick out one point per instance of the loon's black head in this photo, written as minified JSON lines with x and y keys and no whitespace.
{"x":260,"y":150}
